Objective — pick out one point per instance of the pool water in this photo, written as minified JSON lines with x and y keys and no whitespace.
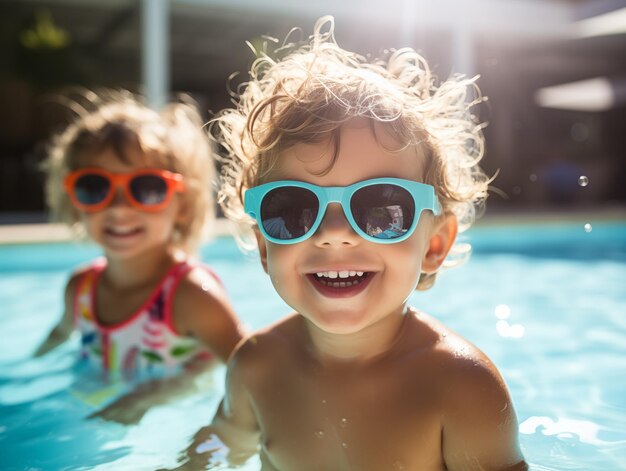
{"x":547,"y":303}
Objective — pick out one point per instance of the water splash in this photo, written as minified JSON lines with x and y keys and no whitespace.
{"x":586,"y":431}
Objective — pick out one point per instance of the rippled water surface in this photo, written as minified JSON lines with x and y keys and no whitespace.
{"x":546,"y":303}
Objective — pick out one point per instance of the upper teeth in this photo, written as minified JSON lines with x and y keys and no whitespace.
{"x":340,"y":274}
{"x":122,"y":231}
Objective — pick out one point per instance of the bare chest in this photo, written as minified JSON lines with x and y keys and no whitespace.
{"x":349,"y":421}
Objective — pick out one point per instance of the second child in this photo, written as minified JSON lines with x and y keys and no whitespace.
{"x":138,"y":183}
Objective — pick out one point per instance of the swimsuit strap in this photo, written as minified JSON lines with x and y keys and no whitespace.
{"x":85,"y":286}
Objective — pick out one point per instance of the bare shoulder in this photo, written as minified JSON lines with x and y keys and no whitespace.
{"x":263,"y":352}
{"x":72,"y":283}
{"x":469,"y":371}
{"x":201,"y":309}
{"x":198,"y":293}
{"x":200,"y":284}
{"x":71,"y":288}
{"x":277,"y":339}
{"x":76,"y":277}
{"x":458,"y":354}
{"x":465,"y":371}
{"x":478,"y":418}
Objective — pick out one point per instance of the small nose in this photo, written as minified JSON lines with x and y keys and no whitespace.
{"x":335,"y":230}
{"x":119,"y":199}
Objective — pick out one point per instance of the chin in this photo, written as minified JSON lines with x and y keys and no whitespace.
{"x":339,"y":322}
{"x":122,"y":253}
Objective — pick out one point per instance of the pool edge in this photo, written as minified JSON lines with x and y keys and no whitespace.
{"x":34,"y":233}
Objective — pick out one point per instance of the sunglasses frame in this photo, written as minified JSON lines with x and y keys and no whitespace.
{"x":424,"y":198}
{"x":173,"y":183}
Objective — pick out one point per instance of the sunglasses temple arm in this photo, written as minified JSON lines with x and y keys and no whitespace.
{"x":437,"y":207}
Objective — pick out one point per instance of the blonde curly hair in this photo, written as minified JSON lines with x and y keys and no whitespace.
{"x":317,"y":87}
{"x":174,"y":138}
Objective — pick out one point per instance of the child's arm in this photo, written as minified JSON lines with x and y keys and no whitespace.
{"x":234,"y":432}
{"x":480,"y":430}
{"x":130,"y":408}
{"x":201,"y":309}
{"x":65,"y":327}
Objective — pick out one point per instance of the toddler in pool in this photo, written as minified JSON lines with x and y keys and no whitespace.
{"x":138,"y":182}
{"x":354,"y":178}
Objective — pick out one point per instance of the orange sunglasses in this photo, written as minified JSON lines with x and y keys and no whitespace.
{"x":147,"y":189}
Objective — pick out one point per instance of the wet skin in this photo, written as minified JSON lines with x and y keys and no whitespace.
{"x":360,"y":381}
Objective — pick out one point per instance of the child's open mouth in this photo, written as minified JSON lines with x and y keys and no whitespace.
{"x":122,"y":233}
{"x":342,"y":279}
{"x":343,"y":283}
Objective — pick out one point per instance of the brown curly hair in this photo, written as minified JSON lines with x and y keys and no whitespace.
{"x":317,"y":87}
{"x":174,"y":137}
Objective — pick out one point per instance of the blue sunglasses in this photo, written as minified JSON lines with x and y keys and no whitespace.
{"x":381,"y":210}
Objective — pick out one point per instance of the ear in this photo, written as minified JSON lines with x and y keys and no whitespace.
{"x":260,"y":240}
{"x":442,"y":237}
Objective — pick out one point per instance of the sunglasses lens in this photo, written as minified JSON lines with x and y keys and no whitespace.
{"x":383,"y":211}
{"x":288,"y":212}
{"x":91,"y":189}
{"x":148,"y":189}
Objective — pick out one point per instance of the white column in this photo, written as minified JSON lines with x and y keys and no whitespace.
{"x":410,"y":23}
{"x":463,"y":60}
{"x":155,"y":48}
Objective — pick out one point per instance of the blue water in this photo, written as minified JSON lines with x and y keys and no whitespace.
{"x":546,"y":302}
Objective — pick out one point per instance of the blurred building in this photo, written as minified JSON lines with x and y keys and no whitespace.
{"x":554,"y":72}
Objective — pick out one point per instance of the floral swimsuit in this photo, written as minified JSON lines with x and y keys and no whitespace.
{"x":146,"y":344}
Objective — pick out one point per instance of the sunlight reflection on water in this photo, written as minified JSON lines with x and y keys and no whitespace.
{"x":566,"y":371}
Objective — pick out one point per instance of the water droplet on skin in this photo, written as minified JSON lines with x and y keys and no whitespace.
{"x":344,"y":422}
{"x":398,"y":465}
{"x":323,"y":401}
{"x":319,"y":434}
{"x":205,"y":286}
{"x":588,"y":227}
{"x":583,"y":180}
{"x":344,"y":445}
